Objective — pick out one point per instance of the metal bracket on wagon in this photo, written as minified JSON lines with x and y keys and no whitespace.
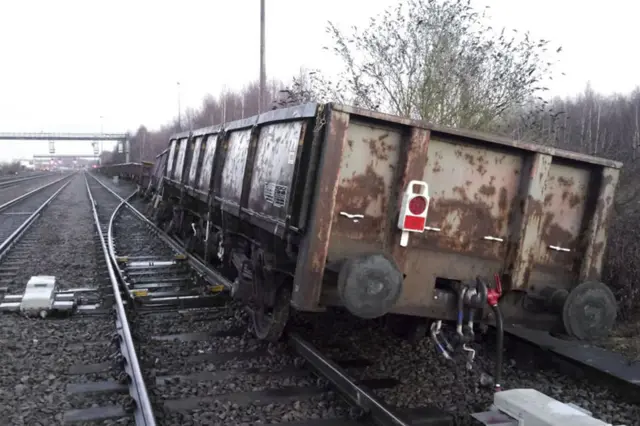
{"x":413,"y":210}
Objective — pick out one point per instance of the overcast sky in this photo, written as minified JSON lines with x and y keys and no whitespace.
{"x":66,"y":63}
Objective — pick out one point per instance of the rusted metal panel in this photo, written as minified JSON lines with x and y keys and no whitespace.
{"x":207,"y":163}
{"x":418,"y":274}
{"x":473,"y":189}
{"x":234,"y":166}
{"x":172,"y":155}
{"x":565,"y":194}
{"x":159,"y":168}
{"x":273,"y":169}
{"x":526,"y":225}
{"x":481,"y":137}
{"x":193,"y":170}
{"x":591,"y":268}
{"x":179,"y":167}
{"x":366,"y":185}
{"x":313,"y":252}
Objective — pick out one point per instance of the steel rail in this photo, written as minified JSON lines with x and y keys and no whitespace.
{"x":194,"y":262}
{"x":23,"y":196}
{"x":112,"y":247}
{"x":143,"y":412}
{"x":15,"y":235}
{"x":356,"y":394}
{"x":4,"y":183}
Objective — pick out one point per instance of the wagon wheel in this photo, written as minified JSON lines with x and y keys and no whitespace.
{"x":589,"y":311}
{"x":269,"y":322}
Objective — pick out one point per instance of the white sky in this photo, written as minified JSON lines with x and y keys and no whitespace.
{"x":66,"y":63}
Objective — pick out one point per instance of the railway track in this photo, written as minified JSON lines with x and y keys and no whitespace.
{"x":200,"y":364}
{"x":181,"y":354}
{"x":7,"y":181}
{"x":16,"y":216}
{"x":394,"y":382}
{"x":16,"y":190}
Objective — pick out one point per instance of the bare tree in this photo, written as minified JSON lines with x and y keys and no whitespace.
{"x":437,"y":60}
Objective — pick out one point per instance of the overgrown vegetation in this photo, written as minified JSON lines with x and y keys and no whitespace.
{"x":440,"y":61}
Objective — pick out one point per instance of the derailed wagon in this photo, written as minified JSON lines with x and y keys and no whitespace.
{"x":138,"y":172}
{"x":329,"y":205}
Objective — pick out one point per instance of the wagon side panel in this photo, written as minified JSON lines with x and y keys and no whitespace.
{"x":474,"y":193}
{"x":182,"y":154}
{"x":365,"y":190}
{"x":206,"y":169}
{"x":171,"y":158}
{"x":591,"y":268}
{"x":276,"y":154}
{"x":195,"y":161}
{"x":234,"y":167}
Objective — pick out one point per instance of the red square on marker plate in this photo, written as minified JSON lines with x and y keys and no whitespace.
{"x":414,"y":223}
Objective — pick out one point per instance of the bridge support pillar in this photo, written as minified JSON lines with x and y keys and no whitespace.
{"x":126,"y":151}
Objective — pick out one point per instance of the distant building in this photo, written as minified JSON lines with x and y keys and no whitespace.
{"x":27,"y":164}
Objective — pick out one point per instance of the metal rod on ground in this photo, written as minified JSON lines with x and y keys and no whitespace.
{"x":263,"y":72}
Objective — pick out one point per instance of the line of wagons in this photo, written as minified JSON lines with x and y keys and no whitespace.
{"x":322,"y":205}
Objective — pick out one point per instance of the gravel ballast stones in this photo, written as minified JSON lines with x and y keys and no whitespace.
{"x":39,"y":354}
{"x":427,"y":378}
{"x":61,"y":242}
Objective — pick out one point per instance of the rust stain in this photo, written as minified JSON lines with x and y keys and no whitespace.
{"x":553,"y":234}
{"x":502,"y":200}
{"x":574,"y":200}
{"x":414,"y":164}
{"x":379,"y":149}
{"x":565,"y":182}
{"x":461,"y":192}
{"x":470,"y":159}
{"x":487,"y":190}
{"x":527,"y":258}
{"x":355,"y":195}
{"x":463,"y":222}
{"x":313,"y":260}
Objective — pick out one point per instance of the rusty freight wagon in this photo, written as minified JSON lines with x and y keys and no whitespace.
{"x":329,"y":205}
{"x":138,"y":172}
